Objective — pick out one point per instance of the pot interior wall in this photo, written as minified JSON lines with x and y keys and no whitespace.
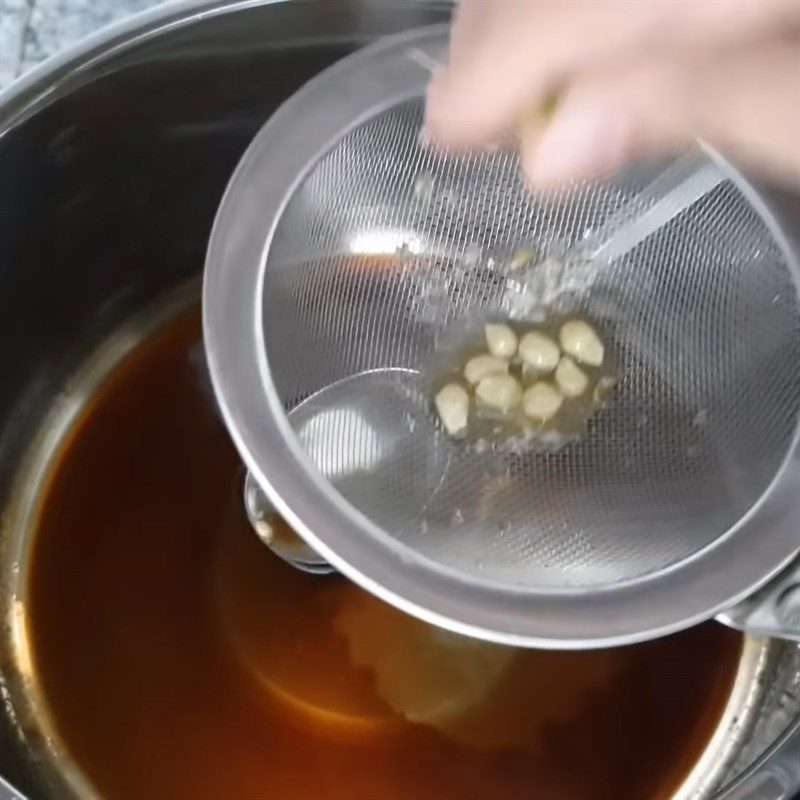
{"x":111,"y":169}
{"x":110,"y":175}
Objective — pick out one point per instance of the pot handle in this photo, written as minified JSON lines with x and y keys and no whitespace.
{"x":776,"y":776}
{"x":773,"y":610}
{"x":8,"y":792}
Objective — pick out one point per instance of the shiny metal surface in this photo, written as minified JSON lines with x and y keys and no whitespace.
{"x":643,"y":526}
{"x":87,"y":242}
{"x":8,"y":792}
{"x":776,"y":776}
{"x":262,"y":517}
{"x":773,"y":610}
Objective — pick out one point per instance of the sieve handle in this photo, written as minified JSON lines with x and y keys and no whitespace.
{"x":681,"y":185}
{"x":776,"y":776}
{"x":773,"y":610}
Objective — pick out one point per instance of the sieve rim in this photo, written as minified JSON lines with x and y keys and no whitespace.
{"x":680,"y":595}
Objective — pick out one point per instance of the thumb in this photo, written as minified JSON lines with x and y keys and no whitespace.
{"x":744,"y":101}
{"x":604,"y":120}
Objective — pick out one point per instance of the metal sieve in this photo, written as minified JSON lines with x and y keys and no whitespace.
{"x":345,"y":251}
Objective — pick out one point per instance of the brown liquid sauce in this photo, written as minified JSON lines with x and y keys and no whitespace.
{"x":182,"y":660}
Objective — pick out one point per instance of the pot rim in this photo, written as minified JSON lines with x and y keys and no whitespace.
{"x":59,"y":72}
{"x":70,"y":68}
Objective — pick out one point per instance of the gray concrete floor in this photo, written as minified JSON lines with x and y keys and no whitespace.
{"x":32,"y":30}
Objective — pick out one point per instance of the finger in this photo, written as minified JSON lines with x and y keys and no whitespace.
{"x":605,"y":120}
{"x":508,"y":55}
{"x":749,"y":107}
{"x":745,"y":101}
{"x":505,"y":56}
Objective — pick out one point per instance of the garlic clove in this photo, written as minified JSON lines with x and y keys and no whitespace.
{"x":499,"y":392}
{"x":501,"y":340}
{"x":480,"y":367}
{"x":580,"y":341}
{"x":542,"y":401}
{"x":540,"y":351}
{"x":452,"y":405}
{"x":571,"y":379}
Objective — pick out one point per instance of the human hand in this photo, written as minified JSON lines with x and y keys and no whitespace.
{"x":634,"y":79}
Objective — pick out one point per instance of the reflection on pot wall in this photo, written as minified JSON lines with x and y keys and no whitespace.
{"x":108,"y":187}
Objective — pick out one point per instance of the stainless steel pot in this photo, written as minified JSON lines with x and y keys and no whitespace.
{"x":113,"y":159}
